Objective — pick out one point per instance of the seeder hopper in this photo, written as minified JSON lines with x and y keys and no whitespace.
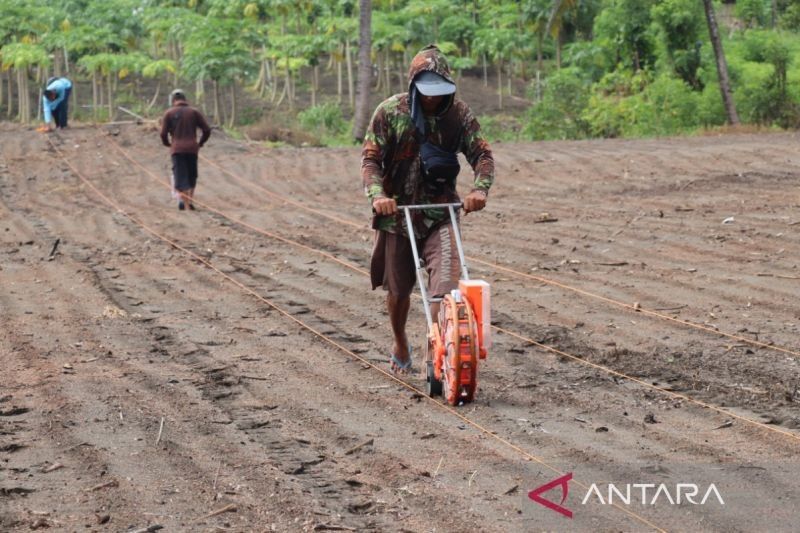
{"x":460,"y":333}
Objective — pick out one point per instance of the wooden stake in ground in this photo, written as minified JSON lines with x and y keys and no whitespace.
{"x":112,"y":483}
{"x":148,"y":529}
{"x":53,"y":250}
{"x":227,"y":509}
{"x":437,"y":468}
{"x":354,"y":449}
{"x":214,"y":487}
{"x":131,"y":113}
{"x":160,"y":430}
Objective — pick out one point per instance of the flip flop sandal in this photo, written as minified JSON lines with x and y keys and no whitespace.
{"x":399,"y":366}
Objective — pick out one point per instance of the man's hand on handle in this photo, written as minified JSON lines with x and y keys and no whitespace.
{"x":384,"y":206}
{"x":474,"y":201}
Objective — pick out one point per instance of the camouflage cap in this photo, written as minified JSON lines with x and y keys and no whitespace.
{"x":430,"y":59}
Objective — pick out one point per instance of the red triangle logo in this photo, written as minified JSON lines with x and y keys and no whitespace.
{"x":563,"y":482}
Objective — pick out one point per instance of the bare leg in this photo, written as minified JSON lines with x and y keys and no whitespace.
{"x":189,"y":197}
{"x":435,"y":311}
{"x":398,"y":316}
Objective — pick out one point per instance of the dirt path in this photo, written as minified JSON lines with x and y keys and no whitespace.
{"x":143,"y":388}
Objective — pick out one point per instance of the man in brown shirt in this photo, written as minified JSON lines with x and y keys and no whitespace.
{"x":179,"y":131}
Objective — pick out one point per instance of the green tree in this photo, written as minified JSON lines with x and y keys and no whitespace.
{"x":157,"y":69}
{"x":623,"y":29}
{"x":559,"y":114}
{"x":536,"y":13}
{"x":681,"y":26}
{"x":499,"y":42}
{"x":766,"y":96}
{"x":218,"y":49}
{"x":754,"y":13}
{"x":556,"y":23}
{"x":22,"y":56}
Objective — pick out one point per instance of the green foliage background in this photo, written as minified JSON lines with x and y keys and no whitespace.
{"x":592,"y":68}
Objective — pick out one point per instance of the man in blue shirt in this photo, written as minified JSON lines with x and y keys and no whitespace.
{"x":55,"y":102}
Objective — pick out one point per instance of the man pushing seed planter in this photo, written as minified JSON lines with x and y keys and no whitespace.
{"x":409,"y":159}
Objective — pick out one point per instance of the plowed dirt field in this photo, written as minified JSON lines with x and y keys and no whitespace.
{"x":226,"y":369}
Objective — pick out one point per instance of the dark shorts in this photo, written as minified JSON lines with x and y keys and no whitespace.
{"x":61,"y":112}
{"x":184,"y":171}
{"x":392,"y":264}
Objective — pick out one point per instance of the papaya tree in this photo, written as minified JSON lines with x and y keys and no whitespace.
{"x":389,"y":36}
{"x":168,"y":27}
{"x":289,"y":54}
{"x":339,"y":30}
{"x":498,"y":42}
{"x":157,"y":69}
{"x":88,"y":40}
{"x":101,"y":67}
{"x":21,"y":57}
{"x":218,"y":49}
{"x":459,"y":29}
{"x":19,"y":30}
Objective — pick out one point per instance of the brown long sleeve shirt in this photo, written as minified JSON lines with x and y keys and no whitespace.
{"x":179,"y":129}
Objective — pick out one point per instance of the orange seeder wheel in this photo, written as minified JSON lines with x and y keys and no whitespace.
{"x":460,"y":366}
{"x":433,"y":361}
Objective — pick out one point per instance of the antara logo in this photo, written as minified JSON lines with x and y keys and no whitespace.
{"x":563,"y":482}
{"x":641,"y":493}
{"x":683,"y":492}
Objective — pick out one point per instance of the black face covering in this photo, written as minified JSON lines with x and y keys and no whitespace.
{"x":439,"y":166}
{"x":417,"y":114}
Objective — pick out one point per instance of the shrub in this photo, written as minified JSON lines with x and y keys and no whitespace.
{"x":585,"y":56}
{"x":500,"y":128}
{"x":665,"y":106}
{"x":752,"y":12}
{"x":755,"y":99}
{"x":671,"y":107}
{"x":611,"y":109}
{"x":791,"y":17}
{"x":760,"y":70}
{"x":710,"y":109}
{"x":323,"y":119}
{"x":559,"y":114}
{"x":680,"y":25}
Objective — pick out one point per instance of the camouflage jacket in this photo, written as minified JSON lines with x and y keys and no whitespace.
{"x":390,"y":165}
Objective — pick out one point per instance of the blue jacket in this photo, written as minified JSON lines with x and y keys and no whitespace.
{"x":60,"y":86}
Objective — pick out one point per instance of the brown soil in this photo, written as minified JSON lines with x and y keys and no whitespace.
{"x":142,"y":388}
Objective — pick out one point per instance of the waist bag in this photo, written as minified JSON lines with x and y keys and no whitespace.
{"x":439,"y":168}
